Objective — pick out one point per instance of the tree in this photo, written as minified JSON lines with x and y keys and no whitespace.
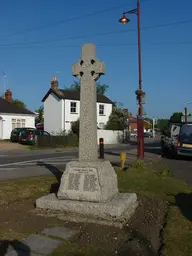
{"x":118,"y":119}
{"x":176,"y":117}
{"x":162,"y":125}
{"x":18,"y":103}
{"x":75,"y":127}
{"x":101,"y":88}
{"x":40,"y":112}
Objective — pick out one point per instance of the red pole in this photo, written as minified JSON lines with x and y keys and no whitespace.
{"x":140,"y":128}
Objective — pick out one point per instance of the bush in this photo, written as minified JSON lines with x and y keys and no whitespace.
{"x":57,"y":141}
{"x":138,"y":164}
{"x":75,"y":127}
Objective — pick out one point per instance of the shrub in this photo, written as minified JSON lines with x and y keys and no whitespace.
{"x":75,"y":127}
{"x":138,"y":164}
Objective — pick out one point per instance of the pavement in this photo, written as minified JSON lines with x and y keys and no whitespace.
{"x":39,"y":244}
{"x":20,"y":163}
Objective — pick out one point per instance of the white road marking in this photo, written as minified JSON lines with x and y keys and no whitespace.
{"x":7,"y":169}
{"x":33,"y":161}
{"x":48,"y":162}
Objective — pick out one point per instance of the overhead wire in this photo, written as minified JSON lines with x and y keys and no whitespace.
{"x":104,"y":45}
{"x":99,"y":34}
{"x":69,"y":20}
{"x":65,"y":21}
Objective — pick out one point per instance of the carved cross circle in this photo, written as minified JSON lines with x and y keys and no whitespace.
{"x":88,"y":66}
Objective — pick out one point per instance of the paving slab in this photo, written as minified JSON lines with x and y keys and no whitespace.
{"x":36,"y":245}
{"x":60,"y":232}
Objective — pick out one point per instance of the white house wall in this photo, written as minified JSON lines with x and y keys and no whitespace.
{"x":103,"y":119}
{"x":6,"y":123}
{"x":53,"y":114}
{"x":71,"y":117}
{"x":68,"y":116}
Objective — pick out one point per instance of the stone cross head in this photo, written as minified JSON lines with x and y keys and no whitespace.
{"x":88,"y":66}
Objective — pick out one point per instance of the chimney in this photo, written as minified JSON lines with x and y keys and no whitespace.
{"x":54,"y":83}
{"x":8,"y":96}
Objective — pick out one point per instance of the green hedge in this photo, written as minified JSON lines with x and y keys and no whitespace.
{"x":57,"y":141}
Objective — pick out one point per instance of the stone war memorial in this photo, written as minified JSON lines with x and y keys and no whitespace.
{"x":88,"y":189}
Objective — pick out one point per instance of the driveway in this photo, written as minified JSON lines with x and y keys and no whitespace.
{"x":7,"y":146}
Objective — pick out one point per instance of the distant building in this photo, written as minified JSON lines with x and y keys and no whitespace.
{"x":62,"y":108}
{"x":12,"y":116}
{"x":132,"y":123}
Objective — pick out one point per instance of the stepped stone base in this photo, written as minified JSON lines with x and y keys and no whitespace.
{"x":115,"y":212}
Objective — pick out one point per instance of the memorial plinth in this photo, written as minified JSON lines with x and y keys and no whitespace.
{"x":89,"y":188}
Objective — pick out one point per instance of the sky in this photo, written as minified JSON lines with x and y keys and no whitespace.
{"x":41,"y":39}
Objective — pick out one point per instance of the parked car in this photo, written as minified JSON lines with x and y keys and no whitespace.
{"x":40,"y":126}
{"x":14,"y":137}
{"x":28,"y":136}
{"x":148,"y":135}
{"x":133,"y":134}
{"x":178,"y":140}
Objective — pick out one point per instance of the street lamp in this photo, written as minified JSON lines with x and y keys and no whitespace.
{"x":140,"y":94}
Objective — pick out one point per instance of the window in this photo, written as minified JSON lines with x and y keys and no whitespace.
{"x":73,"y":107}
{"x":22,"y":123}
{"x":101,"y":126}
{"x":101,"y":110}
{"x":18,"y":123}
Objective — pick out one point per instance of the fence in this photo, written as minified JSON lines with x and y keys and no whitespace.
{"x":109,"y":136}
{"x":57,"y":141}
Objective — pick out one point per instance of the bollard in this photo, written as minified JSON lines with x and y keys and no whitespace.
{"x":101,"y":148}
{"x":123,"y":158}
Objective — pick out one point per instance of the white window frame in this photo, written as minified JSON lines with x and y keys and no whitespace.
{"x":17,"y":123}
{"x":101,"y":109}
{"x":73,"y":106}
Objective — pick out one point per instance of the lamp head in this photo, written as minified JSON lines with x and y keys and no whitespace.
{"x":124,"y":19}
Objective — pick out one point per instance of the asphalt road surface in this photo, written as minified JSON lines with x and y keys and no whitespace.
{"x":18,"y":163}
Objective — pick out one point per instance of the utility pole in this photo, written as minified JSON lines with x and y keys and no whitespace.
{"x":186,"y":113}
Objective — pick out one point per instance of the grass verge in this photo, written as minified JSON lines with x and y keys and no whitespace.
{"x":177,"y":233}
{"x":17,"y":190}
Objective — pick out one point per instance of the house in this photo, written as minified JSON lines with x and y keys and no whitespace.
{"x":62,"y":108}
{"x":12,"y":116}
{"x":133,"y":124}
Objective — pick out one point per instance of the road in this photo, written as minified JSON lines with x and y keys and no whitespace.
{"x":20,"y":163}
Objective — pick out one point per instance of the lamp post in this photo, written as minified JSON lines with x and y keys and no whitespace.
{"x":139,"y":92}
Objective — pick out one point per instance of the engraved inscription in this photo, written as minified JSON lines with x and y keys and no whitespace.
{"x":83,"y":179}
{"x":90,"y":183}
{"x":74,"y":181}
{"x":84,"y":170}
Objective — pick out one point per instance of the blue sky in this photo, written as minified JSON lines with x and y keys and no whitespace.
{"x":166,"y":50}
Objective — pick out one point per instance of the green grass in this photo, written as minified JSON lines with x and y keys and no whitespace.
{"x":17,"y":190}
{"x":177,"y":233}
